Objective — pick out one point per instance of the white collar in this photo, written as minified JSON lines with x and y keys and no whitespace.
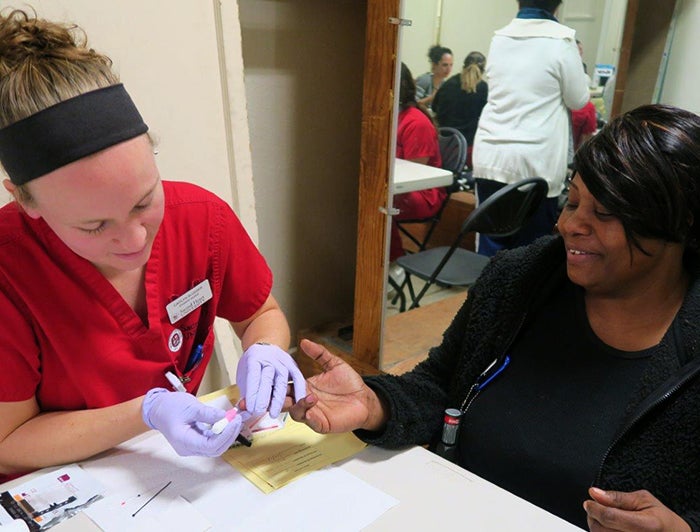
{"x":536,"y":27}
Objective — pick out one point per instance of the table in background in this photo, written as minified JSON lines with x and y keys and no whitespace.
{"x":410,"y":176}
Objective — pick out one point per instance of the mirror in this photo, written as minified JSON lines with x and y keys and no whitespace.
{"x":606,"y":29}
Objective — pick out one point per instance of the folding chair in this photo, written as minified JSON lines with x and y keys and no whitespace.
{"x":453,"y":152}
{"x":500,"y":215}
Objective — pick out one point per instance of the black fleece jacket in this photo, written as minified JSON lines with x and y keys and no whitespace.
{"x":658,"y":446}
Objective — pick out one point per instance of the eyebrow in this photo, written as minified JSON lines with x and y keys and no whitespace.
{"x":150,"y":191}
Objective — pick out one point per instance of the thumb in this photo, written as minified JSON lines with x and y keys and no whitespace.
{"x":208,"y":414}
{"x":244,"y":415}
{"x":228,"y":436}
{"x":619,"y":499}
{"x":232,"y":430}
{"x":320,"y":354}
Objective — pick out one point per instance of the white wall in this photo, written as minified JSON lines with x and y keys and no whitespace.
{"x":303,"y":77}
{"x":465,"y":26}
{"x":682,"y":79}
{"x":468,"y":25}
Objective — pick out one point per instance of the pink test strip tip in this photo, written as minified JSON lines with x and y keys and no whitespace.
{"x":218,"y":427}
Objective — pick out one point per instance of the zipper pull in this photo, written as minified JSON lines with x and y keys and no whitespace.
{"x":485,"y":378}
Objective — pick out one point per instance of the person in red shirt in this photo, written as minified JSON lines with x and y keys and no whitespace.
{"x":110,"y":278}
{"x":416,"y":141}
{"x":583,"y":123}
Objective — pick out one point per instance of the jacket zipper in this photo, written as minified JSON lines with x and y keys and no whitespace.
{"x":475,"y":389}
{"x":632,"y":422}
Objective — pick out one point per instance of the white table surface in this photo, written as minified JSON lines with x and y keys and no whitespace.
{"x":434,"y":494}
{"x":410,"y":176}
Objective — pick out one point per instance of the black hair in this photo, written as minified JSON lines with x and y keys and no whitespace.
{"x":436,"y":52}
{"x":548,"y":5}
{"x":644,"y":168}
{"x":407,"y":93}
{"x":407,"y":88}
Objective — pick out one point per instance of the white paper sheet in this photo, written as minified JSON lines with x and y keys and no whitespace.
{"x":229,"y":501}
{"x":120,"y":512}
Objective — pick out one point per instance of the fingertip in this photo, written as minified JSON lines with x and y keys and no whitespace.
{"x":310,"y":399}
{"x":299,"y":390}
{"x":593,"y":491}
{"x":210,"y":414}
{"x":307,"y":345}
{"x":305,"y":341}
{"x":275,"y":408}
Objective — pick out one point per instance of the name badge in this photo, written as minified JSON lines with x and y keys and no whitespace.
{"x":189,"y":301}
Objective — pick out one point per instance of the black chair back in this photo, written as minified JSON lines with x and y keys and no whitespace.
{"x":507,"y":208}
{"x":500,"y":215}
{"x":453,"y":150}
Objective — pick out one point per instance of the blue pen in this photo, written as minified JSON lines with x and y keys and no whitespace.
{"x":194,"y":359}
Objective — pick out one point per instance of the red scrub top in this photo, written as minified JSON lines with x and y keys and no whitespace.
{"x":70,"y":339}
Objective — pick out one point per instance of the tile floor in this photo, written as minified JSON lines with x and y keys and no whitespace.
{"x":407,"y":335}
{"x":435,"y":293}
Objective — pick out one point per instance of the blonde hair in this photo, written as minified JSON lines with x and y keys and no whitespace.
{"x":473,"y":71}
{"x":43,"y":63}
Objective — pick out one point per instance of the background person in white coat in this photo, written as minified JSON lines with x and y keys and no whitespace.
{"x":535,"y":78}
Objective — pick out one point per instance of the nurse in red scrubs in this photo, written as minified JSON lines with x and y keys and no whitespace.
{"x":111,"y":277}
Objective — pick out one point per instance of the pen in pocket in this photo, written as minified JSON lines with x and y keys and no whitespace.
{"x":195,"y":357}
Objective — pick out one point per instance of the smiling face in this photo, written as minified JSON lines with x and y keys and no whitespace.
{"x":106,"y":207}
{"x":599,"y":257}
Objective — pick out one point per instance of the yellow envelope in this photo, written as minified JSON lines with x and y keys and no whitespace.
{"x":281,"y":456}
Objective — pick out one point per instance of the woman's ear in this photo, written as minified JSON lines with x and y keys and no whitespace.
{"x":9,"y":186}
{"x":12,"y":189}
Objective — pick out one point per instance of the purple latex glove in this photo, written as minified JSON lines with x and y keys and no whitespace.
{"x":262,"y":377}
{"x":185,"y":422}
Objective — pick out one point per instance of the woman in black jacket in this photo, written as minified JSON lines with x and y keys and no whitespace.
{"x":594,"y":338}
{"x":461,"y":98}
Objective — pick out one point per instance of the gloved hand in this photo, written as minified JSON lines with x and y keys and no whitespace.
{"x":185,"y":422}
{"x":262,"y":377}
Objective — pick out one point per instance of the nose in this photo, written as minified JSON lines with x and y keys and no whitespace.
{"x":576,"y":222}
{"x":132,"y":238}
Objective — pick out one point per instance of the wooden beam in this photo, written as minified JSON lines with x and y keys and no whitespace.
{"x":381,"y":44}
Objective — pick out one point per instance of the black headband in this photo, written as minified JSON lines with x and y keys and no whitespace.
{"x":68,"y":131}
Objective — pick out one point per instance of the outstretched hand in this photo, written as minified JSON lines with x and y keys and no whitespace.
{"x":338,"y":400}
{"x":630,"y":511}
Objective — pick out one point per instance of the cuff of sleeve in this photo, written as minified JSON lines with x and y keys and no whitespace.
{"x":377,"y":437}
{"x":147,"y":404}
